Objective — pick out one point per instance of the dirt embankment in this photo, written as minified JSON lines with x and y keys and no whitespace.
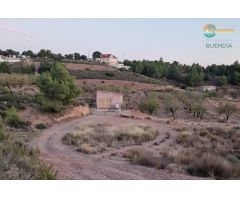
{"x":35,"y":117}
{"x":73,"y":113}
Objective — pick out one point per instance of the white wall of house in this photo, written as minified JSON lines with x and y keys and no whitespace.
{"x":9,"y":60}
{"x":109,"y":61}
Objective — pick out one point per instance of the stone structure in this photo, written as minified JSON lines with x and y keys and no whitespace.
{"x":209,"y":88}
{"x":109,"y":101}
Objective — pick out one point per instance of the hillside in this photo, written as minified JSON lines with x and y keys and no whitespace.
{"x":161,"y":132}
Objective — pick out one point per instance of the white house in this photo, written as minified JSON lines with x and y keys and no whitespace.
{"x":119,"y":66}
{"x":109,"y":59}
{"x":1,"y":59}
{"x":9,"y":59}
{"x":112,"y":61}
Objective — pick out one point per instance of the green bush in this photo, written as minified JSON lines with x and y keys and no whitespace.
{"x":9,"y":98}
{"x":150,"y":103}
{"x":4,"y":67}
{"x":222,"y":80}
{"x":41,"y":126}
{"x":12,"y":118}
{"x":57,"y":89}
{"x":109,"y":74}
{"x":198,"y":109}
{"x":210,"y":93}
{"x":171,"y":104}
{"x":49,"y":105}
{"x":2,"y":135}
{"x":227,"y":109}
{"x":22,"y":68}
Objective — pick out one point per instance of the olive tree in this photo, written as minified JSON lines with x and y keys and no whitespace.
{"x":150,"y":103}
{"x":171,"y":104}
{"x":227,"y":109}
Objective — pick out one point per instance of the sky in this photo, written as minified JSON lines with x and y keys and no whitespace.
{"x":179,"y":40}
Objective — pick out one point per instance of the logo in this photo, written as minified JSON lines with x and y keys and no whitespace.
{"x":210,"y":30}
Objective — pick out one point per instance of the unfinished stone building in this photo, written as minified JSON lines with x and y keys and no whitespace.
{"x":109,"y":101}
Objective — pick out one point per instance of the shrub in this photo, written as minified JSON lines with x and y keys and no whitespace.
{"x":146,"y":158}
{"x":222,"y":145}
{"x":227,"y":109}
{"x":41,"y":126}
{"x":12,"y":117}
{"x":109,"y":74}
{"x":150,"y":103}
{"x":57,"y":88}
{"x":17,"y":161}
{"x":171,"y":104}
{"x":140,"y":157}
{"x":22,"y":68}
{"x":2,"y":135}
{"x":184,"y":138}
{"x":16,"y":80}
{"x":210,"y":165}
{"x":210,"y":93}
{"x":4,"y":67}
{"x":222,"y":80}
{"x":186,"y":156}
{"x":45,"y":66}
{"x":49,"y":105}
{"x":93,"y":139}
{"x":198,"y":109}
{"x":9,"y":98}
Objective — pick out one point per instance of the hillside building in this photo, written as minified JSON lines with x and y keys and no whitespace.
{"x":109,"y":101}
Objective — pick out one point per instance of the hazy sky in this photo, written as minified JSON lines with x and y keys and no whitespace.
{"x":172,"y":39}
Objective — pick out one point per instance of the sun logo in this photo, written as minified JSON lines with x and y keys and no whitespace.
{"x":210,"y":30}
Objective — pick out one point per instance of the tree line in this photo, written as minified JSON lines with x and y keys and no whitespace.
{"x":190,"y":75}
{"x":43,"y":53}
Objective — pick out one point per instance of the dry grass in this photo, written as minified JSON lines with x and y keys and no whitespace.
{"x":146,"y":158}
{"x":210,"y":165}
{"x":222,"y":159}
{"x":97,"y":138}
{"x":186,"y":156}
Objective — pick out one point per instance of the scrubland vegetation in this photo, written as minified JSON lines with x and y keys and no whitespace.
{"x":114,"y":75}
{"x":210,"y":152}
{"x":98,"y":138}
{"x":150,"y":103}
{"x":19,"y":68}
{"x":146,"y":158}
{"x":17,"y":80}
{"x":204,"y":152}
{"x":17,"y":161}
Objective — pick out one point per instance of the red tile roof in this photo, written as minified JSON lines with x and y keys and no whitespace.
{"x":108,"y":56}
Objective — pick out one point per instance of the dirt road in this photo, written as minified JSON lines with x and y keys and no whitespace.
{"x":75,"y":165}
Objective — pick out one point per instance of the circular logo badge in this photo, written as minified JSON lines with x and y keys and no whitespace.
{"x":209,"y":30}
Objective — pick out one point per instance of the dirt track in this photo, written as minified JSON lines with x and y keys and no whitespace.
{"x":75,"y":165}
